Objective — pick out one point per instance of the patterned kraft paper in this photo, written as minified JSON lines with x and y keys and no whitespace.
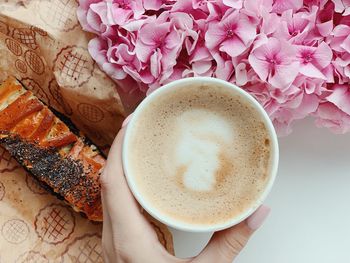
{"x":42,"y":45}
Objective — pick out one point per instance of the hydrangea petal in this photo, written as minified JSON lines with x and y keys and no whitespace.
{"x":311,"y":71}
{"x":233,"y":46}
{"x":340,"y":97}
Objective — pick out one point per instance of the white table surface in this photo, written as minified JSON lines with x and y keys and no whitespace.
{"x":310,"y":201}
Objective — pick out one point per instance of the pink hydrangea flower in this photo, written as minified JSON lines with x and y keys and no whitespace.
{"x":160,"y":46}
{"x":95,"y":15}
{"x":293,"y":56}
{"x":233,"y":34}
{"x":275,"y":63}
{"x":295,"y":26}
{"x":314,"y":59}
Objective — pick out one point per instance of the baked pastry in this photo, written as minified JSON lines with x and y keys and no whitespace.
{"x":59,"y":158}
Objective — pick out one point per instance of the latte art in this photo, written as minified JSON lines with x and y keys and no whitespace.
{"x":200,"y":155}
{"x":199,"y":148}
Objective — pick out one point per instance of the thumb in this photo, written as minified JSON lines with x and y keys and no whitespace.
{"x":117,"y":199}
{"x":225,"y":245}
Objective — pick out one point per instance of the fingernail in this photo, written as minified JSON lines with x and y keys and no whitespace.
{"x":258,"y":217}
{"x":126,"y":121}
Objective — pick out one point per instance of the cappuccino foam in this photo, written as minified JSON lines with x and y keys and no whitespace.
{"x":200,"y":155}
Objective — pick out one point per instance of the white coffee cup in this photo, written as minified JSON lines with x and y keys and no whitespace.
{"x":273,"y":159}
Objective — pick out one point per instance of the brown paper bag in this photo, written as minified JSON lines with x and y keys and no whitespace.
{"x":43,"y":46}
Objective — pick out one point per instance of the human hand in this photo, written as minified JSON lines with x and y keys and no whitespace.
{"x":128,"y":237}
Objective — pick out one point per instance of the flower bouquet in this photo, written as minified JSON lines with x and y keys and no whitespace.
{"x":293,"y":56}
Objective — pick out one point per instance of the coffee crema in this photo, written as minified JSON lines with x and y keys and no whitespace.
{"x":200,"y":155}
